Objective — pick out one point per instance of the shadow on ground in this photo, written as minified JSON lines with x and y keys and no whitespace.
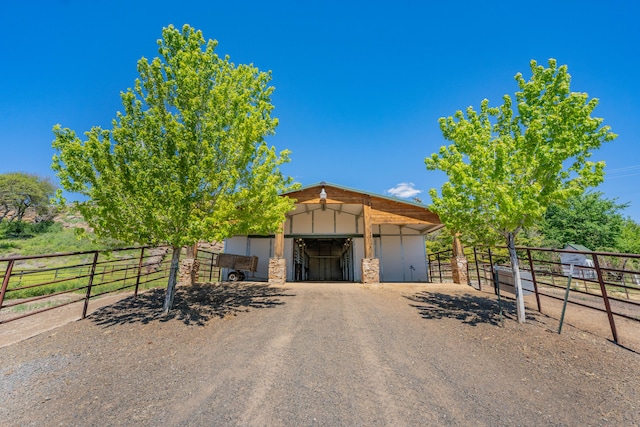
{"x":193,"y":305}
{"x":469,"y":309}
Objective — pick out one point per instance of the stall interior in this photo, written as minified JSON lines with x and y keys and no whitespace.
{"x":327,"y":259}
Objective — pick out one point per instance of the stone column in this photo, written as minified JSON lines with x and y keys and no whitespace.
{"x":188,"y":271}
{"x":459,"y":263}
{"x":370,"y":270}
{"x":277,"y":271}
{"x":278,"y":264}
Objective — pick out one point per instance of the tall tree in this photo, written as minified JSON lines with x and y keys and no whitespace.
{"x":505,"y":167}
{"x":20,"y":191}
{"x":587,"y":219}
{"x":439,"y":241}
{"x":628,"y":240}
{"x":187,"y":159}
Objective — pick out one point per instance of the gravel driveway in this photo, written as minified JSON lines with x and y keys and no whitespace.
{"x":317,"y":354}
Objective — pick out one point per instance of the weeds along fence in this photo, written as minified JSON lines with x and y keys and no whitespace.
{"x":38,"y":283}
{"x":602,"y":281}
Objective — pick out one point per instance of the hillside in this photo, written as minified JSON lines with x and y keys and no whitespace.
{"x":54,"y":235}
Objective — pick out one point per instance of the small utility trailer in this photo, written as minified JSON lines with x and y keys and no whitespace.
{"x":238,"y":264}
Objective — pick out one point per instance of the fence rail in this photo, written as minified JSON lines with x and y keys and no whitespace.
{"x":38,"y":283}
{"x":602,"y":281}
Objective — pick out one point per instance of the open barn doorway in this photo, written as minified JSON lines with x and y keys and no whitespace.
{"x":323,"y":259}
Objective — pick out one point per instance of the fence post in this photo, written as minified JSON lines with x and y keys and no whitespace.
{"x":496,"y":285}
{"x":211,"y":266}
{"x":605,"y":298}
{"x":475,"y":257}
{"x":535,"y":281}
{"x":93,"y":271}
{"x":495,"y":290}
{"x":135,"y":292}
{"x":5,"y":281}
{"x":439,"y":267}
{"x":468,"y":280}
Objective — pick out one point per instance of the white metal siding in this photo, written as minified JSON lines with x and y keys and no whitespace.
{"x":236,"y":245}
{"x":288,"y":255}
{"x":301,"y":223}
{"x":414,"y":255}
{"x":391,"y":260}
{"x":345,"y":223}
{"x":358,"y":254}
{"x":262,"y":248}
{"x":323,"y":222}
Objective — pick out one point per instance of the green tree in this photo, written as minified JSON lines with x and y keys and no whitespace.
{"x":187,"y":159}
{"x":505,"y":167}
{"x":586,"y":219}
{"x":20,"y":191}
{"x":439,"y":241}
{"x":628,"y":240}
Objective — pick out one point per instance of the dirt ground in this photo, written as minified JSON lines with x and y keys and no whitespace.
{"x":320,"y":354}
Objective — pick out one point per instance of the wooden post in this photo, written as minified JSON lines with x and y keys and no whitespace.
{"x":190,"y":266}
{"x":367,"y":232}
{"x":369,"y":264}
{"x":279,"y":243}
{"x":457,"y":246}
{"x":459,"y":264}
{"x":192,"y":251}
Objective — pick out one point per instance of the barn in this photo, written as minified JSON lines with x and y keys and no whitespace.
{"x":335,"y":233}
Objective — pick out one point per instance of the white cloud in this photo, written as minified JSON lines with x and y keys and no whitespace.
{"x":404,"y":190}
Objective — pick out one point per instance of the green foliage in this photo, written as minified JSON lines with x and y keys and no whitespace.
{"x":505,"y":167}
{"x":587,"y":219}
{"x":629,"y":237}
{"x":24,"y":230}
{"x":439,"y":241}
{"x":53,"y":240}
{"x":51,"y":236}
{"x":20,"y":191}
{"x":531,"y":237}
{"x":186,"y":160}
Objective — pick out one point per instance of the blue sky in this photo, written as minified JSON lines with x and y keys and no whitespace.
{"x":359,"y":85}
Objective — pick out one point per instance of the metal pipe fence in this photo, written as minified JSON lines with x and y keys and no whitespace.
{"x":39,"y":283}
{"x":208,"y":272}
{"x":602,"y":281}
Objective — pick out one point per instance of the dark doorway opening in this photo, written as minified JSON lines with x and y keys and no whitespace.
{"x":323,"y":259}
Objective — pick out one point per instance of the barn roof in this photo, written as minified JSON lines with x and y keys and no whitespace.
{"x":384,"y":209}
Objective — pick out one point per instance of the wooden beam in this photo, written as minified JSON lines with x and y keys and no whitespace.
{"x":367,"y":232}
{"x":457,"y":246}
{"x":279,"y":243}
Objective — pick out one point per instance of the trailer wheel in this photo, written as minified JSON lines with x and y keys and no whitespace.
{"x":242,"y":276}
{"x":233,"y":276}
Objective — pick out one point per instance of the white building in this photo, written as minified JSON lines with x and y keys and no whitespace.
{"x":336,"y":233}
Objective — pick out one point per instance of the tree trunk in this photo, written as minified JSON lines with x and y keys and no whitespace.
{"x":171,"y":286}
{"x":517,"y":282}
